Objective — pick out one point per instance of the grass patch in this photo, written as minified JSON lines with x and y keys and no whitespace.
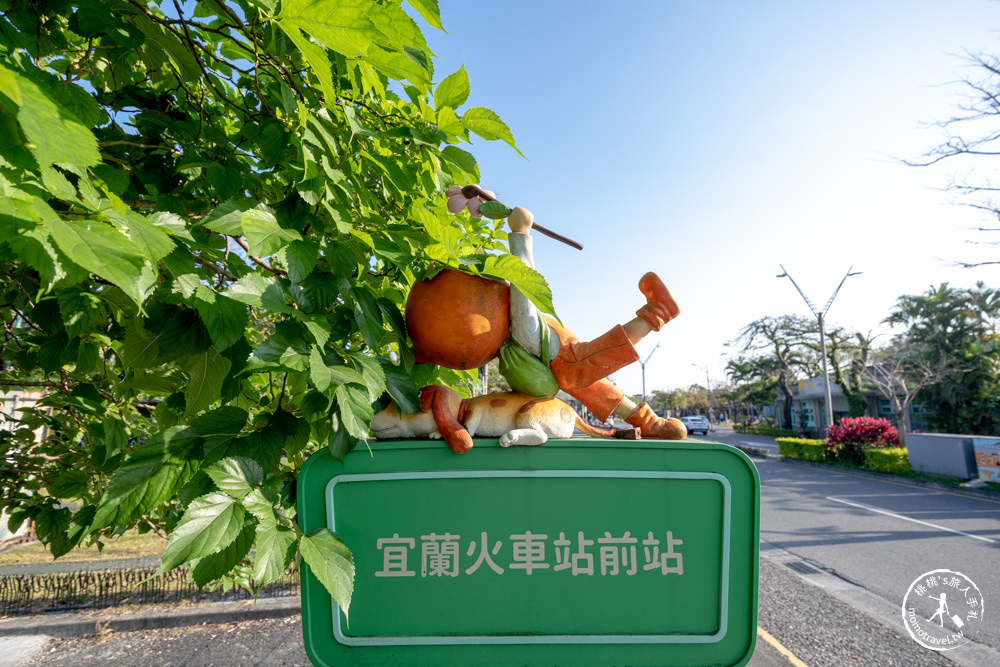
{"x":128,"y":545}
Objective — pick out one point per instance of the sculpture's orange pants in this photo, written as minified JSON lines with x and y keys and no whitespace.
{"x":582,"y":368}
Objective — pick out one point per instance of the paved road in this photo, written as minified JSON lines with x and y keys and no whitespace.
{"x":729,"y":437}
{"x":882,"y":535}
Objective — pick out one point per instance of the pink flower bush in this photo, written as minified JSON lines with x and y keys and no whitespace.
{"x":866,"y":431}
{"x":847,"y":439}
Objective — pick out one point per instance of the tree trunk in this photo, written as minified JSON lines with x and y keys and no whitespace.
{"x":786,"y":408}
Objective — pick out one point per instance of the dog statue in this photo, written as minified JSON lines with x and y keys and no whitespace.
{"x":514,"y":418}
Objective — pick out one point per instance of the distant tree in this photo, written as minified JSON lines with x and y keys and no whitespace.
{"x":673,"y":399}
{"x":783,"y":339}
{"x":849,"y":355}
{"x":754,"y":381}
{"x":951,"y":335}
{"x":899,"y":373}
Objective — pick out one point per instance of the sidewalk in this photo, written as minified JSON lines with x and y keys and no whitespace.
{"x":123,"y":619}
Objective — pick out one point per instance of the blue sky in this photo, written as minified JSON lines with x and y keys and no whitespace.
{"x":710,"y":141}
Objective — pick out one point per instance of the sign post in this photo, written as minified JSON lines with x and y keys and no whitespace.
{"x":582,"y":552}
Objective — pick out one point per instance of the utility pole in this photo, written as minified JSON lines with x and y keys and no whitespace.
{"x":643,"y":364}
{"x":708,"y":389}
{"x":820,"y":315}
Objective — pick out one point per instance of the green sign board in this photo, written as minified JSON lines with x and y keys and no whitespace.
{"x":578,"y":552}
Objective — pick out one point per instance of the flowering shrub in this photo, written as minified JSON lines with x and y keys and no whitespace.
{"x":871,"y":432}
{"x":848,"y":439}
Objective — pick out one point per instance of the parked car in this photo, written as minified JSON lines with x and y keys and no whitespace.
{"x":696,"y":423}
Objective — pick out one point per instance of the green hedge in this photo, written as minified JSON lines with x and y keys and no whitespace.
{"x":803,"y":449}
{"x":893,"y":461}
{"x":771,"y":431}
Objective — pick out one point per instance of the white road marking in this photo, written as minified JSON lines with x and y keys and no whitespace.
{"x":906,"y":518}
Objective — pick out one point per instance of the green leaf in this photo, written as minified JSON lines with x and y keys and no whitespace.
{"x":463,"y":161}
{"x":226,"y":219}
{"x":209,"y":524}
{"x":294,"y":429}
{"x":214,"y":566}
{"x":264,"y":236}
{"x":51,"y":526}
{"x":265,"y":446}
{"x":318,"y":326}
{"x":100,"y":249}
{"x":401,"y":387}
{"x":429,"y":10}
{"x":286,"y":347}
{"x":227,"y":420}
{"x":522,"y":277}
{"x":340,"y":25}
{"x":316,"y":56}
{"x":355,"y":410}
{"x":226,"y":178}
{"x":115,"y":437}
{"x":453,"y":91}
{"x":332,"y":563}
{"x":368,"y":316}
{"x":340,"y":442}
{"x":164,"y":42}
{"x":236,"y":475}
{"x":81,"y":311}
{"x":154,"y":243}
{"x":55,"y":132}
{"x":494,"y":210}
{"x":487,"y":124}
{"x":300,"y":259}
{"x":147,"y":478}
{"x":258,"y":504}
{"x":371,"y":372}
{"x":225,"y":319}
{"x":259,"y":291}
{"x":70,"y":483}
{"x":275,"y":551}
{"x":399,"y":66}
{"x":207,"y":370}
{"x":140,"y":347}
{"x":325,"y":377}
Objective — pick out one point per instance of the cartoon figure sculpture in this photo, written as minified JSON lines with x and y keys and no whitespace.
{"x":514,"y":418}
{"x":462,"y":321}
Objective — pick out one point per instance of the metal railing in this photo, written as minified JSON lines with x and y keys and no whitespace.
{"x":98,"y":589}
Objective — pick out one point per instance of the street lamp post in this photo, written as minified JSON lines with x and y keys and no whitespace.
{"x":643,"y":364}
{"x":708,"y":388}
{"x":820,"y":315}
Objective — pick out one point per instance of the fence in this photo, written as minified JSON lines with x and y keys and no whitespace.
{"x":78,"y":590}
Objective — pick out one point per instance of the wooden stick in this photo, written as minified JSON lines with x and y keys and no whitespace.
{"x":470,"y":191}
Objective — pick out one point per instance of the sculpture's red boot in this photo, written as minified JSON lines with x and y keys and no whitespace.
{"x":660,"y":307}
{"x":652,"y":426}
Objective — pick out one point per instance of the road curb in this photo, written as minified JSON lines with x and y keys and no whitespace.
{"x":96,"y":622}
{"x":885,"y":477}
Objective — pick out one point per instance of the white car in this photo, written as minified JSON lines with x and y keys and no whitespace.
{"x":696,"y":423}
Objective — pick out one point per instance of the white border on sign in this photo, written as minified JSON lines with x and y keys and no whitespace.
{"x":437,"y":640}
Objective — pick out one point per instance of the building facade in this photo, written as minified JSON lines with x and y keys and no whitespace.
{"x":809,"y":408}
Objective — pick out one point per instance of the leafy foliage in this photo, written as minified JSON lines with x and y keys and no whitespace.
{"x":890,"y":461}
{"x":848,"y":439}
{"x":804,"y":449}
{"x":950,"y":354}
{"x":210,"y":215}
